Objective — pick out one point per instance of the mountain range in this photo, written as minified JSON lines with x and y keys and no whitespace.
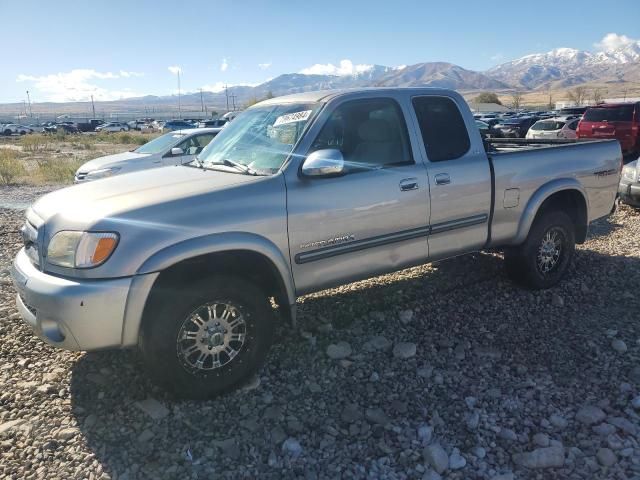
{"x":558,"y":69}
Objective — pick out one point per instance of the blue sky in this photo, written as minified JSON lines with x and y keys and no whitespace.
{"x":69,"y":50}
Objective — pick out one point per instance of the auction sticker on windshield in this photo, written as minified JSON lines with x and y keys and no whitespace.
{"x":292,"y":117}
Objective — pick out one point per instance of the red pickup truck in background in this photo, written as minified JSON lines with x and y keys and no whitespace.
{"x":614,"y":120}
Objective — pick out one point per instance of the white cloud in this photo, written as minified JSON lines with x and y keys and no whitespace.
{"x":125,"y":74}
{"x":175,"y":69}
{"x":497,"y":57}
{"x":264,"y":66}
{"x":224,"y":65}
{"x":613,"y":41}
{"x":346,"y":67}
{"x":77,"y":85}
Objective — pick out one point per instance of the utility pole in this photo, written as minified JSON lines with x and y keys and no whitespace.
{"x":93,"y":107}
{"x":201,"y":101}
{"x":233,"y":101}
{"x":29,"y":100}
{"x":226,"y":92}
{"x":179,"y":106}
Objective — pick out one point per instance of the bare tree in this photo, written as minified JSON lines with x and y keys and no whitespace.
{"x":597,"y":95}
{"x":577,"y":95}
{"x":516,"y":100}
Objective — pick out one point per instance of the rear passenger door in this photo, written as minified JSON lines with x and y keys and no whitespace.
{"x":459,"y":177}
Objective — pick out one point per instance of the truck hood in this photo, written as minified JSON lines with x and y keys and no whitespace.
{"x":111,"y":160}
{"x":84,"y":204}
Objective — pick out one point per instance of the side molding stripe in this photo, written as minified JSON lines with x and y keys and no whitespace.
{"x":378,"y":241}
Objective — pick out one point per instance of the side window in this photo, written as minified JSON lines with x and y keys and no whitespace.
{"x":368,"y":133}
{"x":573,"y":124}
{"x":202,"y":141}
{"x":443,"y":130}
{"x":188,"y":146}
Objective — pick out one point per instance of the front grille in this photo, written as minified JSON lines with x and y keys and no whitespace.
{"x":30,"y":240}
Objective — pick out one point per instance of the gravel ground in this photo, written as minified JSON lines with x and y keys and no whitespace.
{"x":445,"y":370}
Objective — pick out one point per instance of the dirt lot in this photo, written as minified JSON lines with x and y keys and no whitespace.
{"x":449,"y":368}
{"x":39,"y":159}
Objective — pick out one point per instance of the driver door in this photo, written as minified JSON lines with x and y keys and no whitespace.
{"x":371,"y":219}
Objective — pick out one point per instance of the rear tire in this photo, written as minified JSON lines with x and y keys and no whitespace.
{"x":226,"y":323}
{"x":544,"y":257}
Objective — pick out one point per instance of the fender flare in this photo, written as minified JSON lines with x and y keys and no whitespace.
{"x":539,"y":197}
{"x":221,"y":242}
{"x":149,"y":271}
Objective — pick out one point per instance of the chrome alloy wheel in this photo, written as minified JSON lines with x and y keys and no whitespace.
{"x":550,"y":251}
{"x":211,"y":336}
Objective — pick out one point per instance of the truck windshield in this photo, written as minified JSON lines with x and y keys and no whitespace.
{"x":623,"y":113}
{"x":158,"y":145}
{"x":261,"y":138}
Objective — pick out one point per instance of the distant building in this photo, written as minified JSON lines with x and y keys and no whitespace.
{"x":622,"y":100}
{"x":487,"y":107}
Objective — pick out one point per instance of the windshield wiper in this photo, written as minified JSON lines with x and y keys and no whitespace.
{"x":239,"y":166}
{"x":198,"y":162}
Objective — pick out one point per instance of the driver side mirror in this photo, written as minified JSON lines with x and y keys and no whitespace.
{"x":176,"y":151}
{"x":323,"y":163}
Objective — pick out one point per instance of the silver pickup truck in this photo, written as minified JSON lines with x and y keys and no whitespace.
{"x":298,"y":194}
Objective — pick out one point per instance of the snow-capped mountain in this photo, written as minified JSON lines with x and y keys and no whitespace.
{"x":564,"y":67}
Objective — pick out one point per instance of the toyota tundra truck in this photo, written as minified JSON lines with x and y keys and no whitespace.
{"x":191,"y":263}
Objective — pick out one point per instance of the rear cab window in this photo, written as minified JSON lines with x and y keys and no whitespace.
{"x":442,"y":126}
{"x":613,"y":113}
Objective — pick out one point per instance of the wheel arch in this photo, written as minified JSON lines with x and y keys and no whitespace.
{"x":249,"y":255}
{"x":565,"y":195}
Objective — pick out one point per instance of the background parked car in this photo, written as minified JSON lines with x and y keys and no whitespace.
{"x":113,"y":127}
{"x":629,"y":189}
{"x":172,"y":125}
{"x":217,"y":123}
{"x":14,"y":128}
{"x":487,"y":130}
{"x":614,"y":120}
{"x":553,"y":128}
{"x":66,"y":127}
{"x":172,"y":148}
{"x":139,"y":123}
{"x":516,"y":127}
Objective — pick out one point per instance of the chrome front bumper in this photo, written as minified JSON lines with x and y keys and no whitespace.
{"x":69,"y":313}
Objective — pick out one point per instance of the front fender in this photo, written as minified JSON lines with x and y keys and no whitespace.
{"x":538,"y":198}
{"x":221,"y":242}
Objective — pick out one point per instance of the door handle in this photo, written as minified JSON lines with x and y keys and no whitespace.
{"x":443,"y":179}
{"x":409,"y":184}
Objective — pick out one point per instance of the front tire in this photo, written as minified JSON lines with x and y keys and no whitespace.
{"x":205,"y":338}
{"x":544,"y":257}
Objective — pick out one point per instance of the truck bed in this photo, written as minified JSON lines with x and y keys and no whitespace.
{"x":495,"y":145}
{"x":593,"y":167}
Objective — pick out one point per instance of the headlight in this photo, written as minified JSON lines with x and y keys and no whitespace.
{"x":629,"y":173}
{"x":81,"y":249}
{"x":102,"y":173}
